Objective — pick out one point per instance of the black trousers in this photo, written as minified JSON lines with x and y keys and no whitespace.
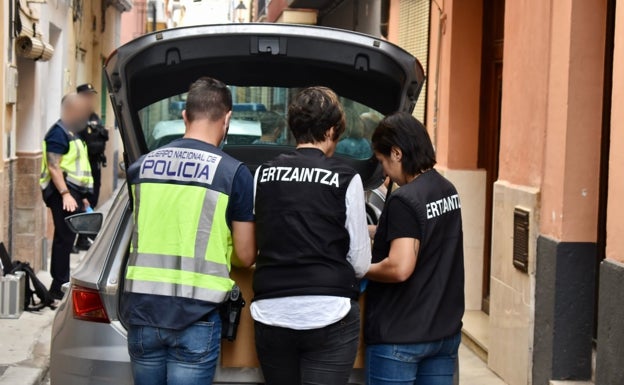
{"x":63,"y":239}
{"x":93,"y":197}
{"x":96,"y":172}
{"x":309,"y":357}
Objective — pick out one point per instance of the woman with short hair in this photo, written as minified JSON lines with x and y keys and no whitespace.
{"x":313,"y":247}
{"x":415,"y":297}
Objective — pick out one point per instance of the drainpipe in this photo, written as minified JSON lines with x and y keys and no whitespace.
{"x":384,"y":18}
{"x":154,"y":14}
{"x":441,"y":30}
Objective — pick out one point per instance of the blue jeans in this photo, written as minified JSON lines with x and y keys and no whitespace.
{"x":430,"y":363}
{"x":171,"y":357}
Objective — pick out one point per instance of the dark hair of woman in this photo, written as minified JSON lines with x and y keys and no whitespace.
{"x":403,"y":131}
{"x":312,"y":112}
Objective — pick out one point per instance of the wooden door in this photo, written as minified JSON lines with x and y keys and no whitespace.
{"x":489,"y":120}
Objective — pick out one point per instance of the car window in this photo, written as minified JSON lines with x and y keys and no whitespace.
{"x":259,"y":118}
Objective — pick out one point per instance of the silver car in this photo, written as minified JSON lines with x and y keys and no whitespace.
{"x":264,"y":65}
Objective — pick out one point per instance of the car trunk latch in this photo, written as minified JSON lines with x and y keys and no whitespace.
{"x":270,"y":45}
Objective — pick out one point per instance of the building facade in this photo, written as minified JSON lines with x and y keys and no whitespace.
{"x":522,"y":105}
{"x":523,"y":102}
{"x":76,"y":37}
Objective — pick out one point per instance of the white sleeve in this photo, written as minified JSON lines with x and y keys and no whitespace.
{"x":255,"y":187}
{"x":359,"y":255}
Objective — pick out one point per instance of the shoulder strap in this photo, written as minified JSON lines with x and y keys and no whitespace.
{"x":38,"y":289}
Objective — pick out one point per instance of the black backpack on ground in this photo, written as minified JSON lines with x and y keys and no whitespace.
{"x":37,"y":290}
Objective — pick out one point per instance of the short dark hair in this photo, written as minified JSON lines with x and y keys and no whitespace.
{"x":208,"y":98}
{"x":312,"y":112}
{"x":405,"y":132}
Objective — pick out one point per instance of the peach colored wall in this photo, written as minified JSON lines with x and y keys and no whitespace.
{"x":133,"y":22}
{"x":570,"y":184}
{"x":525,"y":91}
{"x":393,"y":21}
{"x":457,"y":131}
{"x":615,"y":210}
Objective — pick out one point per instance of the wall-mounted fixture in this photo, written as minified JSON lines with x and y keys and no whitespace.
{"x":33,"y":48}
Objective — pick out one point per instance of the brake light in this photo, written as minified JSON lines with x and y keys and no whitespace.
{"x":88,"y":305}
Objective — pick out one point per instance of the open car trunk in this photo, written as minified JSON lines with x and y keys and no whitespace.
{"x":363,"y":70}
{"x":264,"y":65}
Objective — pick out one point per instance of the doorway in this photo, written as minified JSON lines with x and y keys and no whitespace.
{"x":605,"y":147}
{"x":489,"y":120}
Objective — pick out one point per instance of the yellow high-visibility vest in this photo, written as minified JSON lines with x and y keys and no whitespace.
{"x":181,"y":244}
{"x":75,"y":165}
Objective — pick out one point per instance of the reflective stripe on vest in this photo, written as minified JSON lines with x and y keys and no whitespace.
{"x":182,"y":249}
{"x":74,"y":164}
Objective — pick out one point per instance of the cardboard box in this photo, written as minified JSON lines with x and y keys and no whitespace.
{"x":12,"y":291}
{"x":241,"y":353}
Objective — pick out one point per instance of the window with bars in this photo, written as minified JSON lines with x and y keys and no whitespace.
{"x":414,"y":16}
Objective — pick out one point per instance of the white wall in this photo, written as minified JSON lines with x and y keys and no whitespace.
{"x":54,"y":90}
{"x":41,"y":83}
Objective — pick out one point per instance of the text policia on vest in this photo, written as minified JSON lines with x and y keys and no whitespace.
{"x":299,"y":174}
{"x":180,"y":164}
{"x":443,"y":206}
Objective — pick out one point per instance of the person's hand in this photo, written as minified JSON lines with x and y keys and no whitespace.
{"x":69,"y":203}
{"x":372,"y":229}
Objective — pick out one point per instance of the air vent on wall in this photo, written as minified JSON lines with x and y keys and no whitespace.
{"x":521,"y":240}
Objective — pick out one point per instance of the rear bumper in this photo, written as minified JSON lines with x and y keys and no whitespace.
{"x":87,"y":352}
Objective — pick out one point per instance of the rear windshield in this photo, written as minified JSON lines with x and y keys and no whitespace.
{"x":259,"y":118}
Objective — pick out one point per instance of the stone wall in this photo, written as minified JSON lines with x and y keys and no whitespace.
{"x":5,"y":203}
{"x":29,"y":211}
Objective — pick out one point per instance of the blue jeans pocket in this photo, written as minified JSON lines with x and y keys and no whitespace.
{"x":135,"y":341}
{"x":198,"y":343}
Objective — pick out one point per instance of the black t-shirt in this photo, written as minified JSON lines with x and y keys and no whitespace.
{"x":429,"y":305}
{"x":404,"y":224}
{"x":57,"y":139}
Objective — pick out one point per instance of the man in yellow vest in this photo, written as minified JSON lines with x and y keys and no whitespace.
{"x":65,"y":181}
{"x":193,"y":217}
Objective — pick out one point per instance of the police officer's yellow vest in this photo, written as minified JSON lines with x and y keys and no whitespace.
{"x":181,"y":245}
{"x":75,"y":165}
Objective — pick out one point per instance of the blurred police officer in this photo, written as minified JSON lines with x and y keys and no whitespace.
{"x":65,"y":181}
{"x":313,"y":246}
{"x":95,"y":136}
{"x":193,"y":215}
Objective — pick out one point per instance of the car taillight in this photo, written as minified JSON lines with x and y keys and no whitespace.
{"x":88,"y":305}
